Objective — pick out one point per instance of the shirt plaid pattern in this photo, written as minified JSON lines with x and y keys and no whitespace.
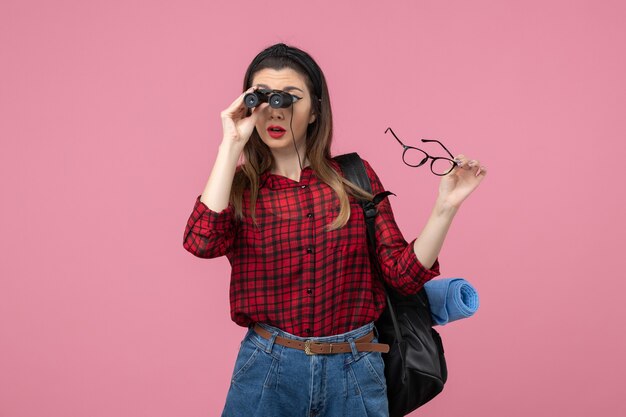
{"x":289,"y":272}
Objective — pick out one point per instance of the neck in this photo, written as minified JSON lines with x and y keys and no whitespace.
{"x":288,"y":165}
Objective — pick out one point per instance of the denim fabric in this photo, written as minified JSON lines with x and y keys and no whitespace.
{"x":270,"y":380}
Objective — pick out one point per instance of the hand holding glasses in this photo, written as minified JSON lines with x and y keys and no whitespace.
{"x":415,"y":157}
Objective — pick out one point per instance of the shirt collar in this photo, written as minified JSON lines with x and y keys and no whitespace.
{"x":278,"y":182}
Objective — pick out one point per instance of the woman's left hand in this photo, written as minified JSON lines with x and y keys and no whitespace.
{"x":457,"y":185}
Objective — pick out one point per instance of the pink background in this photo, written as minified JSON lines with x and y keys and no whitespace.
{"x":110,"y":124}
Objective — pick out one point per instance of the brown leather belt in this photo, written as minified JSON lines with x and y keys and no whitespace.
{"x":363,"y":344}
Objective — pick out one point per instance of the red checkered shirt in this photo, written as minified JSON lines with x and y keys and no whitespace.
{"x":289,"y":272}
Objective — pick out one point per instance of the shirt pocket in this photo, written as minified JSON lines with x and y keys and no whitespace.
{"x":353,"y":235}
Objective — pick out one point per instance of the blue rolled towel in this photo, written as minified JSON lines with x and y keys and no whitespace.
{"x":451,"y":299}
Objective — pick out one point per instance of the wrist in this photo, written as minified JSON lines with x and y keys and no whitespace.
{"x":445,"y":208}
{"x":231,"y":148}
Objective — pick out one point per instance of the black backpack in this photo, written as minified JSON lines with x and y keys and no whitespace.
{"x":415,"y":367}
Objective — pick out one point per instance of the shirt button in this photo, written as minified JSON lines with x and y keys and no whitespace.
{"x":307,"y":331}
{"x":309,"y":291}
{"x":309,"y":250}
{"x":303,"y":187}
{"x":309,"y":215}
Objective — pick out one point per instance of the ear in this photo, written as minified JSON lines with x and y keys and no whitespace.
{"x":312,"y":118}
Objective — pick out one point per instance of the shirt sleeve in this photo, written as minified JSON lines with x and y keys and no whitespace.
{"x":400,"y":267}
{"x":209,"y":234}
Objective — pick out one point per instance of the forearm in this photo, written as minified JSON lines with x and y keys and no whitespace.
{"x":430,"y":241}
{"x":216,"y":193}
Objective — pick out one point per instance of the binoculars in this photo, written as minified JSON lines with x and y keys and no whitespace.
{"x":276,"y":98}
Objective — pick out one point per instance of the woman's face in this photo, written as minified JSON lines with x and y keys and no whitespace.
{"x":273,"y":125}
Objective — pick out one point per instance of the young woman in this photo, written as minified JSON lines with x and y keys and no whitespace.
{"x":294,"y":233}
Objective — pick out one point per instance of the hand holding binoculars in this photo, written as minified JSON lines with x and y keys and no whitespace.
{"x":276,"y":99}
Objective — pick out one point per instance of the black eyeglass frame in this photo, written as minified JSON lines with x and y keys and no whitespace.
{"x":434,"y":158}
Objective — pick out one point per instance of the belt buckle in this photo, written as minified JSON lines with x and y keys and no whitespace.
{"x":307,"y":348}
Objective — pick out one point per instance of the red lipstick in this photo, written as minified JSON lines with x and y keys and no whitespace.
{"x":276,"y":131}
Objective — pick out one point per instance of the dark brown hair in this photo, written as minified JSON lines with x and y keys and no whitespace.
{"x":257,"y":155}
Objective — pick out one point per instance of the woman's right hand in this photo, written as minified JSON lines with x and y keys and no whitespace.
{"x":236,"y":126}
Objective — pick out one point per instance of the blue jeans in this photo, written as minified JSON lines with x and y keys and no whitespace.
{"x":270,"y":380}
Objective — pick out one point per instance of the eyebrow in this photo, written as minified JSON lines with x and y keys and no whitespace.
{"x":288,"y":88}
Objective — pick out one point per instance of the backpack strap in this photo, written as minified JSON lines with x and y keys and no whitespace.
{"x":354,"y":171}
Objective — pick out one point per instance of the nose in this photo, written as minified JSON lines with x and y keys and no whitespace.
{"x":276,"y":113}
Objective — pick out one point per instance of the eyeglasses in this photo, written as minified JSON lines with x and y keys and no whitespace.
{"x":415,"y":157}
